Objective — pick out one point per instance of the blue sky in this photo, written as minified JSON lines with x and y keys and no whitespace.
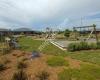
{"x":39,"y":14}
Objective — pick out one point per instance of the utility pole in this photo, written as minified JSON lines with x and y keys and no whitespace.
{"x":81,"y":21}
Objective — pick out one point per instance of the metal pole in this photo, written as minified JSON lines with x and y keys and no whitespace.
{"x":74,"y":29}
{"x":95,"y":32}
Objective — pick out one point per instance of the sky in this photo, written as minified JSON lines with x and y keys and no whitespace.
{"x":57,"y":14}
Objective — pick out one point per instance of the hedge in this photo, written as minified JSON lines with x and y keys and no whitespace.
{"x":83,"y":46}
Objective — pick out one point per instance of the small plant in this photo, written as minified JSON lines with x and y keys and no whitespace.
{"x":24,"y":59}
{"x":6,"y":61}
{"x":21,"y":65}
{"x":20,"y":75}
{"x":6,"y":51}
{"x":44,"y":75}
{"x":23,"y":53}
{"x":14,"y":54}
{"x":2,"y":67}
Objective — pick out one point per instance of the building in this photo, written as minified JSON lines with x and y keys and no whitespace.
{"x":25,"y":31}
{"x":97,"y":31}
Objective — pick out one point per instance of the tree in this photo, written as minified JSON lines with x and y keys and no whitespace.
{"x":2,"y":38}
{"x":67,"y":33}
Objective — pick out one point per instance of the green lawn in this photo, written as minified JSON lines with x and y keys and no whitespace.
{"x":87,"y":56}
{"x":28,"y":44}
{"x":57,"y":61}
{"x":86,"y":72}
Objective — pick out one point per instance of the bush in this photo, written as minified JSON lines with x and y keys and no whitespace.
{"x":98,"y":45}
{"x":42,"y":75}
{"x":71,"y":47}
{"x":2,"y":38}
{"x":6,"y":51}
{"x":74,"y":47}
{"x":93,"y":46}
{"x":20,"y":75}
{"x":21,"y":65}
{"x":84,"y":46}
{"x":2,"y":67}
{"x":6,"y":61}
{"x":57,"y":61}
{"x":78,"y":46}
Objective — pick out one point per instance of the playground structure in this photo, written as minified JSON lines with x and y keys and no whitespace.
{"x":48,"y":33}
{"x":91,"y":30}
{"x":86,"y":33}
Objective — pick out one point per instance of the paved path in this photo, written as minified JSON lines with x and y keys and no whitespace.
{"x":57,"y":45}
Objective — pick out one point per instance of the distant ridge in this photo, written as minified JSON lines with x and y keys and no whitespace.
{"x":3,"y":29}
{"x":23,"y":29}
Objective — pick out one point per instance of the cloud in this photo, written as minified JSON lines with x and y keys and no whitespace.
{"x":38,"y":14}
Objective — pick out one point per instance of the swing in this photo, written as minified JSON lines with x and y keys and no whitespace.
{"x":85,"y":32}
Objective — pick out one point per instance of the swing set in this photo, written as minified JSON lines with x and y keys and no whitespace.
{"x":82,"y":30}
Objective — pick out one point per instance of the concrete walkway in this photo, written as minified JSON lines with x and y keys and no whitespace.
{"x":58,"y":45}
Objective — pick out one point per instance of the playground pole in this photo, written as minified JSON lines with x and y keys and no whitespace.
{"x":95,"y":32}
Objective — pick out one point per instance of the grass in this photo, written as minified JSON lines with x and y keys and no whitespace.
{"x":57,"y":61}
{"x":86,"y":72}
{"x":51,"y":49}
{"x":87,"y":56}
{"x":28,"y":44}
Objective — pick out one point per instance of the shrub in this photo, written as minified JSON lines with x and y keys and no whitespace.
{"x":74,"y":47}
{"x":6,"y":51}
{"x":84,"y":46}
{"x":44,"y":75}
{"x":2,"y":38}
{"x":78,"y":46}
{"x":6,"y":61}
{"x":98,"y":45}
{"x":2,"y":67}
{"x":14,"y":54}
{"x":21,"y":65}
{"x":93,"y":46}
{"x":57,"y":61}
{"x":24,"y":59}
{"x":71,"y":47}
{"x":20,"y":75}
